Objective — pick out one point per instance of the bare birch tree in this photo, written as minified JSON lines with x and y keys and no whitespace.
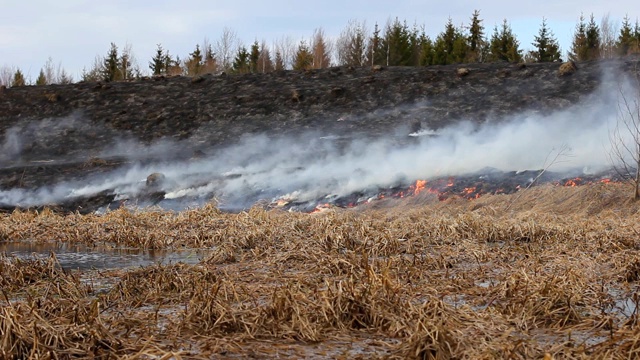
{"x":625,"y":137}
{"x":351,"y":46}
{"x":225,"y":48}
{"x":286,"y":47}
{"x":608,"y":37}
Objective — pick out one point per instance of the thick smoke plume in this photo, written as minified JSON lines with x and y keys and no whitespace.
{"x":319,"y":165}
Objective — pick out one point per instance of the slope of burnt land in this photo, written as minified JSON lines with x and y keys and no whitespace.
{"x":64,"y":132}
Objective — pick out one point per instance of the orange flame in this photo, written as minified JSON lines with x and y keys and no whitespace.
{"x":573,"y":182}
{"x":420,"y":185}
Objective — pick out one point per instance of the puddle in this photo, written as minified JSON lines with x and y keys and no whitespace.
{"x":81,"y":257}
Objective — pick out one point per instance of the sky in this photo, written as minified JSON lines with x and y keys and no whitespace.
{"x":74,"y":32}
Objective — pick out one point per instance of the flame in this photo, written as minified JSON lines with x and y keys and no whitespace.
{"x":420,"y":185}
{"x":573,"y":182}
{"x":605,"y":181}
{"x":321,"y":208}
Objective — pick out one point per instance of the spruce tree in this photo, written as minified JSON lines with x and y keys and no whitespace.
{"x":304,"y":58}
{"x":195,"y":62}
{"x":593,"y":40}
{"x":376,"y":55}
{"x":426,"y":50}
{"x":42,"y":78}
{"x":476,"y":38}
{"x":111,"y":65}
{"x":503,"y":45}
{"x":579,"y":49}
{"x":18,"y":79}
{"x":158,"y":64}
{"x":396,"y":44}
{"x":546,"y":45}
{"x":241,"y":61}
{"x":254,"y":56}
{"x":626,"y":38}
{"x":278,"y":62}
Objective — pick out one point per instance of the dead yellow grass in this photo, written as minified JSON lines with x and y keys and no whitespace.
{"x":551,"y":270}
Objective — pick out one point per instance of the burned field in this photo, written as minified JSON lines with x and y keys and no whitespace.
{"x":549,"y":270}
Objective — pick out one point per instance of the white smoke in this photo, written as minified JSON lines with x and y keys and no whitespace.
{"x":316,"y":165}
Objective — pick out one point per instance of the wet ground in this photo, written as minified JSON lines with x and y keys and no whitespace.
{"x":82,"y":257}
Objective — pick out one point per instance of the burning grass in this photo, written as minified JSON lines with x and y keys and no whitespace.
{"x":547,"y":271}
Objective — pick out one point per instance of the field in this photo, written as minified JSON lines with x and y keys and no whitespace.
{"x":548,"y":272}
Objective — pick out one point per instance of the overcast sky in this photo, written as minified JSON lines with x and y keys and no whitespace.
{"x":74,"y":32}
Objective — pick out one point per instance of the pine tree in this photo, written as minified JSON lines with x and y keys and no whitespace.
{"x":254,"y":56}
{"x":42,"y":78}
{"x":375,"y":54}
{"x":158,"y":64}
{"x":210,"y":65}
{"x":427,"y":52}
{"x":476,"y":38}
{"x":396,"y":44}
{"x":241,"y":62}
{"x":195,"y":62}
{"x":18,"y":79}
{"x":450,"y":46}
{"x":304,"y":58}
{"x":546,"y":45}
{"x":111,"y":65}
{"x":503,"y":45}
{"x":279,"y":62}
{"x":579,"y":49}
{"x":593,"y":40}
{"x":636,"y":38}
{"x":626,"y":39}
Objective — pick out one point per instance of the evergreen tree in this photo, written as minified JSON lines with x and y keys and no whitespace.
{"x":450,"y":46}
{"x":476,"y":38}
{"x":304,"y":58}
{"x":375,"y":53}
{"x":427,"y":51}
{"x":503,"y":45}
{"x":254,"y":56}
{"x":174,"y":66}
{"x":626,"y":39}
{"x":636,"y":38}
{"x":158,"y":64}
{"x":546,"y":45}
{"x":18,"y":79}
{"x":210,"y":64}
{"x":42,"y":78}
{"x":593,"y":40}
{"x":241,"y":62}
{"x":579,"y":49}
{"x":111,"y":65}
{"x":397,"y":44}
{"x":195,"y":62}
{"x":279,"y":62}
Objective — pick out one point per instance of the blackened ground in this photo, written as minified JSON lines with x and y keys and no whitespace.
{"x":61,"y":132}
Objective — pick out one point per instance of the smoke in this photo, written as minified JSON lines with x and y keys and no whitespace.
{"x":318,"y":165}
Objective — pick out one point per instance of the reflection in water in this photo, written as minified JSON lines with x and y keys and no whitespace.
{"x":82,"y":257}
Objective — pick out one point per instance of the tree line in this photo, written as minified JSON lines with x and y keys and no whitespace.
{"x":394,"y":44}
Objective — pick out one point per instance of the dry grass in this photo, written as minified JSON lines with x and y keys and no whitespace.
{"x":552,"y":271}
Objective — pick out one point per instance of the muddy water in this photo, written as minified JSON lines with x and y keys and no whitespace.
{"x":74,"y":256}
